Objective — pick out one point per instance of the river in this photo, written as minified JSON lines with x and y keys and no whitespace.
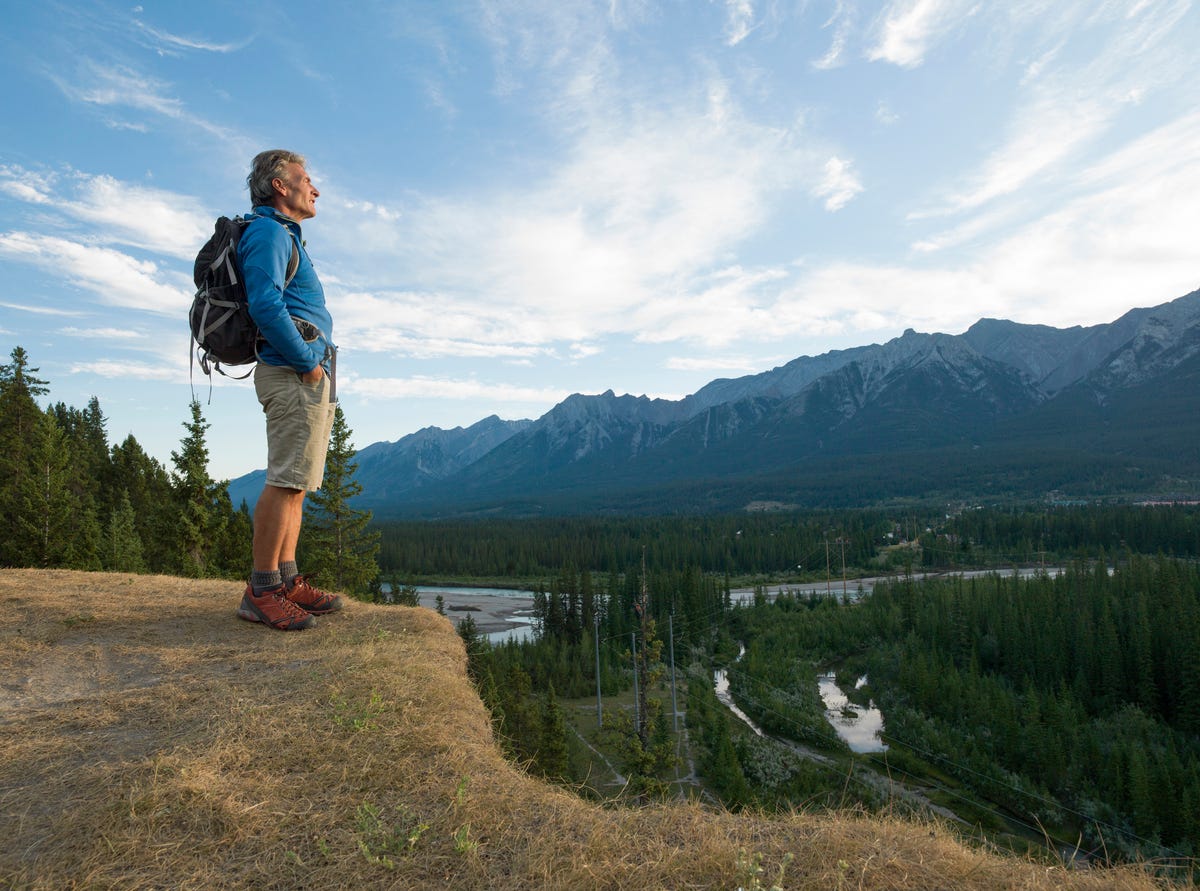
{"x":857,"y":726}
{"x":854,"y":588}
{"x":500,"y":614}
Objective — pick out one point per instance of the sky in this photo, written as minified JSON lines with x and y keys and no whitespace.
{"x":525,"y":199}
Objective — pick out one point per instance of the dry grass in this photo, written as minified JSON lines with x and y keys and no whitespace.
{"x":152,"y":740}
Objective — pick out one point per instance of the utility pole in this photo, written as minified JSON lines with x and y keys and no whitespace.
{"x":674,"y":702}
{"x":644,"y":612}
{"x":842,"y":542}
{"x":828,"y":583}
{"x":599,"y":706}
{"x":637,"y":696}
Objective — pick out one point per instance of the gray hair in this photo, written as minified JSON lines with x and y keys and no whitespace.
{"x":267,"y":166}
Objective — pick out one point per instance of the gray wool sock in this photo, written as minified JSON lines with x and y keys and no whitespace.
{"x":261,"y":581}
{"x":288,"y":571}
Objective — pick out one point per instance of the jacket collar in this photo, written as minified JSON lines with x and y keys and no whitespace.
{"x":267,"y":211}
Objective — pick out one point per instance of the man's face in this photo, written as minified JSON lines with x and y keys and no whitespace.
{"x":296,"y":196}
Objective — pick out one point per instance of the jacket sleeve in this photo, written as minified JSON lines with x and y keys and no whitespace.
{"x":264,"y":250}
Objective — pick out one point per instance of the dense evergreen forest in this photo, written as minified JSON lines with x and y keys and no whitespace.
{"x":71,"y":500}
{"x":1071,"y":699}
{"x":734,"y":544}
{"x":786,"y":544}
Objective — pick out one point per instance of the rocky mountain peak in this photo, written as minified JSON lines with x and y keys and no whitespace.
{"x":915,"y":392}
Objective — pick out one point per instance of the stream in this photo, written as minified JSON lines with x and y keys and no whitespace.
{"x":858,"y":727}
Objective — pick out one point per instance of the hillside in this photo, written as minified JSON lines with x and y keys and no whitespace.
{"x":152,"y":740}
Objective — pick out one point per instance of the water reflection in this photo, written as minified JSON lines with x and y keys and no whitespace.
{"x":459,"y":601}
{"x":522,"y":631}
{"x":858,"y":727}
{"x":721,"y":686}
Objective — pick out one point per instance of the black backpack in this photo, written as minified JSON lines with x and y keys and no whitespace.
{"x":222,"y":330}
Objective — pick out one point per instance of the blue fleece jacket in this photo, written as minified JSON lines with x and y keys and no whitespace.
{"x":263,"y":253}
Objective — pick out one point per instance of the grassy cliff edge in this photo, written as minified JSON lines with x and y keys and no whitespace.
{"x":153,"y":740}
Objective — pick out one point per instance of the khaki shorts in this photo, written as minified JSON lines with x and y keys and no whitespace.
{"x":299,"y":419}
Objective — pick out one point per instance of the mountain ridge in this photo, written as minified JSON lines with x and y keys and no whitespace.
{"x":921,"y":404}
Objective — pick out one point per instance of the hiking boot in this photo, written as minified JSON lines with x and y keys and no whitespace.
{"x":310,"y":599}
{"x":273,"y":608}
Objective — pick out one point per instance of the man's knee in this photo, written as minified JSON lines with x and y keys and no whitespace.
{"x":276,"y":499}
{"x":282,"y":491}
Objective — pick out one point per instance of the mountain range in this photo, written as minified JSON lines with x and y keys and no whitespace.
{"x":1002,"y":411}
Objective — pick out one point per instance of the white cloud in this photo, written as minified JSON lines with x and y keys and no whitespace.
{"x":907,"y":29}
{"x":422,"y":387}
{"x":839,"y":185}
{"x":1125,"y":237}
{"x":885,"y":115}
{"x":1034,"y":69}
{"x":176,"y":41}
{"x":24,"y":185}
{"x":38,"y":310}
{"x":730,"y":364}
{"x":427,"y":326}
{"x":579,"y":351}
{"x":842,"y":20}
{"x":116,"y":278}
{"x":119,"y":86}
{"x":1071,"y":100}
{"x":739,"y":20}
{"x":373,"y":209}
{"x":564,"y":44}
{"x":103,"y":333}
{"x":154,"y":219}
{"x":133,"y":371}
{"x":120,"y":212}
{"x":1045,"y":135}
{"x":644,"y":207}
{"x":731,"y":305}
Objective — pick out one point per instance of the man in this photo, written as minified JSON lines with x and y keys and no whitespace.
{"x":293,"y":380}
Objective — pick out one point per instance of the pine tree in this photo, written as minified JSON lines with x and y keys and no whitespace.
{"x":19,"y":414}
{"x":122,"y":544}
{"x":474,"y":644}
{"x":95,"y":460}
{"x":336,"y":541}
{"x":200,"y":523}
{"x":47,"y":516}
{"x":148,"y":487}
{"x":553,"y":756}
{"x":19,"y":385}
{"x":235,"y":548}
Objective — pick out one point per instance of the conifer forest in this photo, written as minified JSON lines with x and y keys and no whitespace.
{"x":72,"y":500}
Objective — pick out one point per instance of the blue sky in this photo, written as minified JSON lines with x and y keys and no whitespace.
{"x":522,"y":199}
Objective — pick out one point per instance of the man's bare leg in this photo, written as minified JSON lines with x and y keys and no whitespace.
{"x":277,"y":519}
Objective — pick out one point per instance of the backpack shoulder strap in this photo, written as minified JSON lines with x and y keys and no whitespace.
{"x":293,"y":264}
{"x":293,"y":261}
